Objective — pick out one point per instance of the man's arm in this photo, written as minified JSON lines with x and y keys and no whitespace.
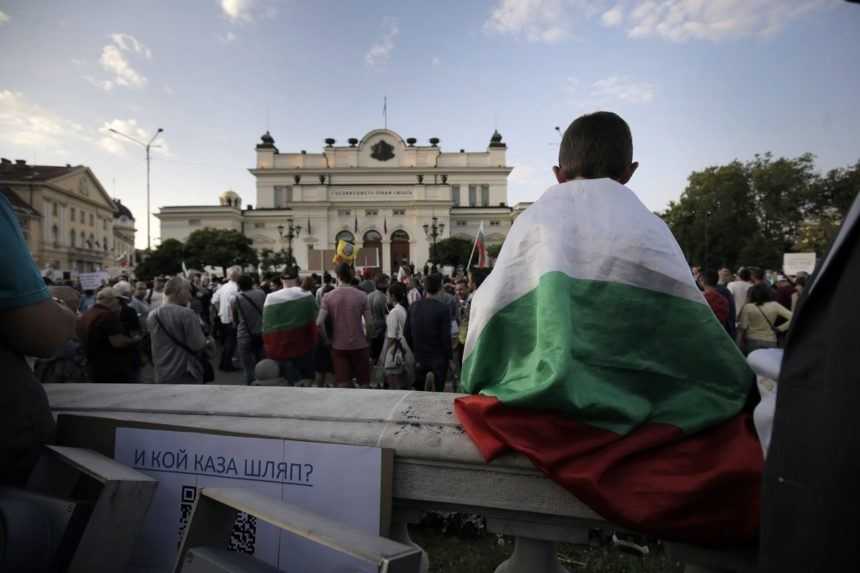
{"x":194,"y":337}
{"x":38,"y":329}
{"x":369,"y":326}
{"x":323,"y":314}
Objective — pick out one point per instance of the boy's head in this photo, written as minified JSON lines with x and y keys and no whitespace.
{"x":594,"y":146}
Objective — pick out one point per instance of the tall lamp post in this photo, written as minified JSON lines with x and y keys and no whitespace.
{"x":146,"y":146}
{"x":292,"y":232}
{"x":433,"y":232}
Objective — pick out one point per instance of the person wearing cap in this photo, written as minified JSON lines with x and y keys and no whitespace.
{"x":105,"y":342}
{"x":289,"y":328}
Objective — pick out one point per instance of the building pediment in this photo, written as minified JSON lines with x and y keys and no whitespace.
{"x":381,"y":148}
{"x":81,"y":183}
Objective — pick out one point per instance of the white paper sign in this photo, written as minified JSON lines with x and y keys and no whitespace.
{"x":793,"y":263}
{"x":337,"y":481}
{"x":92,"y":281}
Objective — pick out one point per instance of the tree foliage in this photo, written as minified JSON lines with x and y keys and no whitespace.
{"x":219,"y":248}
{"x":166,"y":259}
{"x":751,"y":213}
{"x":453,"y":251}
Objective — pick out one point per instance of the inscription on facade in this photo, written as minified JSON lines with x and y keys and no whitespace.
{"x":375,"y":195}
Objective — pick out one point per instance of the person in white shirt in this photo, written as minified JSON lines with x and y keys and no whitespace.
{"x":223,"y":299}
{"x":740,"y":288}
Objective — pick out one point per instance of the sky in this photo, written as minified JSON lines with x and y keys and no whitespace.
{"x":701,"y":82}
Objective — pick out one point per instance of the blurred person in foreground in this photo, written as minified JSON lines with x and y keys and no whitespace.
{"x":595,"y":354}
{"x":32,"y":323}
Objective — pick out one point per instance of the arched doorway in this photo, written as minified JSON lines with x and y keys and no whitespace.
{"x":344,"y":236}
{"x":372,"y":243}
{"x":399,"y":249}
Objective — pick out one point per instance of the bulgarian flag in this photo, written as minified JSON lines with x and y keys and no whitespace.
{"x":479,"y":248}
{"x":289,"y":323}
{"x":593,"y":353}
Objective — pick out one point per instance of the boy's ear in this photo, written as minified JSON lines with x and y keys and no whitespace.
{"x":629,"y":173}
{"x":559,"y":174}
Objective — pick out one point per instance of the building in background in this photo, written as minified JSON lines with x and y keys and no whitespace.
{"x":124,"y":253}
{"x":66,"y":215}
{"x":378,"y":192}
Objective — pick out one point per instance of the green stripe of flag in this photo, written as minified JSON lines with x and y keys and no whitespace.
{"x":610,"y":355}
{"x":291,"y":314}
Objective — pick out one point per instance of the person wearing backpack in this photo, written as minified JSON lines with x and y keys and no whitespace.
{"x":758,"y":316}
{"x":247,"y":309}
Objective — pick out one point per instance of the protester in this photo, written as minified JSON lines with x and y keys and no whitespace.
{"x":414,"y":293}
{"x":222,"y":299}
{"x":759,"y":276}
{"x":366,"y":284}
{"x":31,"y":324}
{"x":178,"y":342}
{"x":155,"y":296}
{"x":396,"y":357}
{"x":308,"y":285}
{"x":326,"y":288}
{"x":378,"y":301}
{"x":739,"y":289}
{"x":783,"y":291}
{"x":131,"y":327}
{"x":248,"y":318}
{"x":592,"y":351}
{"x":88,"y":300}
{"x":725,"y":277}
{"x":138,"y":302}
{"x":718,"y":303}
{"x":107,"y":346}
{"x":800,"y":284}
{"x":347,"y":306}
{"x":757,"y":326}
{"x":289,"y":328}
{"x":428,"y":331}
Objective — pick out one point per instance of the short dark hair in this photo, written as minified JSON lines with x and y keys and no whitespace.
{"x":744,"y":274}
{"x":757,"y":273}
{"x":710,"y":278}
{"x":344,"y":272}
{"x":596,"y":145}
{"x":245,"y":282}
{"x":398,"y":293}
{"x":478,"y":275}
{"x":433,"y":283}
{"x":760,"y":294}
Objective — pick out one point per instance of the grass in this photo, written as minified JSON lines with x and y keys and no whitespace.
{"x":483,"y":552}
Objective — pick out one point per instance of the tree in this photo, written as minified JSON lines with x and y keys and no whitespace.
{"x":166,"y":259}
{"x":272,"y":261}
{"x":494,"y":250}
{"x":219,"y":248}
{"x":453,"y":251}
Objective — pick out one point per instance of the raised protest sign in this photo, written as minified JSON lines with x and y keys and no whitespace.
{"x":793,"y":263}
{"x":337,"y":481}
{"x":93,"y":281}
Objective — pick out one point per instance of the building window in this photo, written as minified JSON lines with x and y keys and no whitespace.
{"x":485,"y":195}
{"x":259,"y":225}
{"x":344,"y":236}
{"x":371,"y":212}
{"x":104,"y":224}
{"x":73,"y":238}
{"x":399,"y":211}
{"x":83,"y":216}
{"x":473,"y":195}
{"x":283,"y":195}
{"x":344,"y":212}
{"x":461,"y":223}
{"x":92,"y":220}
{"x":193,"y":222}
{"x":495,"y":223}
{"x":455,"y":195}
{"x":55,"y":209}
{"x":72,"y":211}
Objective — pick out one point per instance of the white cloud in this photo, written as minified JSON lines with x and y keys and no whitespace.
{"x":613,"y":17}
{"x":119,"y":145}
{"x":129,"y":43}
{"x":674,"y":20}
{"x":3,"y":18}
{"x":169,"y":90}
{"x":229,"y":37}
{"x":26,"y":124}
{"x":245,"y":11}
{"x":681,"y":20}
{"x":115,"y":62}
{"x":436,"y":61}
{"x":610,"y":91}
{"x":380,"y":51}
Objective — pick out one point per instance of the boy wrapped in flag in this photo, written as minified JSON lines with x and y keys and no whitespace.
{"x":591,"y":351}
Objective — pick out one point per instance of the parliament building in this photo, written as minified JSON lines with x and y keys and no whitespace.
{"x":382,"y":192}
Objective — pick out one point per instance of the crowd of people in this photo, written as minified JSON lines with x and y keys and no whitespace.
{"x":366,"y":330}
{"x":755,"y":306}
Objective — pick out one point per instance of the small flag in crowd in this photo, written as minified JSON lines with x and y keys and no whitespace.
{"x":479,"y":249}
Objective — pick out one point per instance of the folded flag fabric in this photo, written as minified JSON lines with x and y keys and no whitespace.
{"x":595,"y":355}
{"x":289,"y":323}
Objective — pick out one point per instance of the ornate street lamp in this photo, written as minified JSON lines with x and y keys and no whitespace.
{"x":433,"y":232}
{"x":292,"y":232}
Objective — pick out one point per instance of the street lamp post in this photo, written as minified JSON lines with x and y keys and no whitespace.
{"x":433,"y":232}
{"x":146,"y":146}
{"x":707,"y":245}
{"x":292,"y":232}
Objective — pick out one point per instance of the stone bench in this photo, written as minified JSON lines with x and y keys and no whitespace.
{"x":436,"y":465}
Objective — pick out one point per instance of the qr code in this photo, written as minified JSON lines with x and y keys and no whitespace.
{"x":243,"y":537}
{"x":186,"y":504}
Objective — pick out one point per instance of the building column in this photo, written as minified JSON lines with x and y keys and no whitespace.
{"x":385,"y":263}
